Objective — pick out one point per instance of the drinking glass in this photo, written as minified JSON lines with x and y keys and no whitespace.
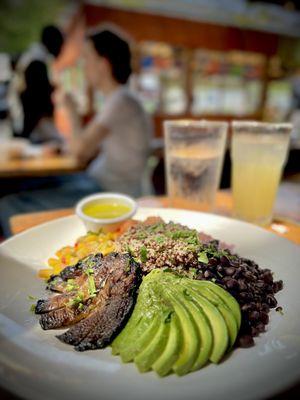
{"x":194,"y":153}
{"x":258,"y":153}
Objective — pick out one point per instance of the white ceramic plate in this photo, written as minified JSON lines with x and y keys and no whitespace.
{"x":35,"y":365}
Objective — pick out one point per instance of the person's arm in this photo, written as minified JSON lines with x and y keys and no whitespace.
{"x":86,"y":146}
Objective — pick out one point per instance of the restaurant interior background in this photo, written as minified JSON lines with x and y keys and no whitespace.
{"x":190,"y":61}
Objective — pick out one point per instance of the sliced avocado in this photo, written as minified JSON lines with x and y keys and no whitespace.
{"x":226,"y":297}
{"x":131,"y":325}
{"x":204,"y":331}
{"x":139,"y":320}
{"x":138,"y":336}
{"x":224,"y":310}
{"x":132,"y":347}
{"x":145,"y":359}
{"x":163,"y":365}
{"x":217,"y":323}
{"x":190,"y":345}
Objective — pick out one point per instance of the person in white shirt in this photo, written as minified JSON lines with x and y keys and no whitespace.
{"x":119,"y":136}
{"x":113,"y":146}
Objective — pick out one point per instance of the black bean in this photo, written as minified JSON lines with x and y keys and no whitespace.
{"x":271,"y":301}
{"x":277,"y":286}
{"x":244,"y":296}
{"x":260,"y":284}
{"x":254,"y":315}
{"x":230,"y":271}
{"x":242,"y":284}
{"x":260,"y":327}
{"x":212,"y":261}
{"x":200,"y":275}
{"x":232,"y":284}
{"x":248,"y":275}
{"x":245,"y":341}
{"x":254,"y":331}
{"x":207,"y":274}
{"x":224,"y":261}
{"x":268,"y":277}
{"x":263,"y":316}
{"x":220,"y":268}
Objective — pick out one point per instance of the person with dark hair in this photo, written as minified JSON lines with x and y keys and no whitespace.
{"x":116,"y":140}
{"x":36,"y":88}
{"x":113,"y":146}
{"x":52,"y":39}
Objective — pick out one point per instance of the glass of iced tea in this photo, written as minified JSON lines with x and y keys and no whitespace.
{"x":194,"y":153}
{"x":258,"y":153}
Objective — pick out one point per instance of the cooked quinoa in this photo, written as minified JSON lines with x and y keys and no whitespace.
{"x":161,"y":245}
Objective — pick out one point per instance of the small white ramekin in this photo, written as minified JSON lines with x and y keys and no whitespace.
{"x":107,"y":225}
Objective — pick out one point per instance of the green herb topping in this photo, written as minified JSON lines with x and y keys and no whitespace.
{"x":143,"y":254}
{"x":32,"y":308}
{"x":30,"y":297}
{"x":91,"y":281}
{"x":202,"y":257}
{"x":76,"y":300}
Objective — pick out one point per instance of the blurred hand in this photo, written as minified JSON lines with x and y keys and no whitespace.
{"x":69,"y":102}
{"x":51,"y":149}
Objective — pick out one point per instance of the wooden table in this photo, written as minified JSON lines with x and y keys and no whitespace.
{"x":285,"y":228}
{"x":38,"y":167}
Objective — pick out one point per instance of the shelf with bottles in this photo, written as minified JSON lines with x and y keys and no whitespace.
{"x":177,"y":81}
{"x":161,"y":80}
{"x":227,"y":83}
{"x":280,"y":91}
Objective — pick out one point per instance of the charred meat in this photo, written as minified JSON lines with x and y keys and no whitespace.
{"x":96,"y":296}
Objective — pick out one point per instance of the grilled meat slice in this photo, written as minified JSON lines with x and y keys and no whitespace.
{"x":99,"y":315}
{"x":79,"y":297}
{"x":109,"y":317}
{"x":60,"y":283}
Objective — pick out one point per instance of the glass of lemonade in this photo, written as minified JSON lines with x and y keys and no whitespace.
{"x":194,"y":153}
{"x":258,"y":153}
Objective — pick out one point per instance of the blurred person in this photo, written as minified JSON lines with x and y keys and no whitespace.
{"x":36,"y":88}
{"x":117,"y":139}
{"x":113,"y":146}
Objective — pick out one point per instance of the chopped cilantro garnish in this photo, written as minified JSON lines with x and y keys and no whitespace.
{"x":143,"y":254}
{"x":92,"y":286}
{"x":32,"y":308}
{"x":71,"y":285}
{"x":159,"y":239}
{"x":192,"y":272}
{"x":78,"y":299}
{"x":89,"y":271}
{"x":90,"y":262}
{"x":129,"y":250}
{"x":127,"y":268}
{"x":142,"y":235}
{"x":157,"y":227}
{"x":202,"y":257}
{"x":30,"y":297}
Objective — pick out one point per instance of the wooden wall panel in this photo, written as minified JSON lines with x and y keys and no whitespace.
{"x":176,"y":31}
